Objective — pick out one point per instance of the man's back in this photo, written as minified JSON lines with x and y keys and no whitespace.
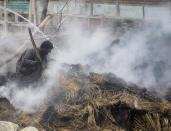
{"x":28,"y":69}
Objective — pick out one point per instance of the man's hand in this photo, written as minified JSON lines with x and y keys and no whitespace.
{"x":34,"y":62}
{"x":38,"y":63}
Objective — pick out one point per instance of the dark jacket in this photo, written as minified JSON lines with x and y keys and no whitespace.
{"x":28,"y":68}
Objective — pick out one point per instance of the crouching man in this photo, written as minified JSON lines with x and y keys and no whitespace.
{"x":29,"y":69}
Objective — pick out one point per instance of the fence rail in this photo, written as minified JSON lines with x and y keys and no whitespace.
{"x":131,"y":2}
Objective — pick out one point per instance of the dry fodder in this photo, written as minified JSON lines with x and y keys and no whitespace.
{"x":162,"y":107}
{"x":95,"y":105}
{"x":152,"y":122}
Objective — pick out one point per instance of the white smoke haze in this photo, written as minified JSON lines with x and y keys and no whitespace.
{"x":142,"y":56}
{"x":136,"y":58}
{"x":9,"y":43}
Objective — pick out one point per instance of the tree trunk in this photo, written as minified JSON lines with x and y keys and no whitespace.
{"x":45,"y":8}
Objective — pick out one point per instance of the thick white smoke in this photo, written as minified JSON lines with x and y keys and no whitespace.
{"x":141,"y":56}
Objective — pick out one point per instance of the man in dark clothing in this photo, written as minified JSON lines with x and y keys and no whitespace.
{"x":29,"y":69}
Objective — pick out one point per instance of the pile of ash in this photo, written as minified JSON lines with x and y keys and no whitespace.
{"x":96,"y":102}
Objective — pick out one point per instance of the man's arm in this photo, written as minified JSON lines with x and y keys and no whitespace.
{"x":29,"y":58}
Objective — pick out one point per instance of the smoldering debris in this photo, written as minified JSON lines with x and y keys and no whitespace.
{"x":95,"y":102}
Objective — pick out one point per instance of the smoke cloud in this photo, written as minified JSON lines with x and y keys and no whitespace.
{"x":140,"y":56}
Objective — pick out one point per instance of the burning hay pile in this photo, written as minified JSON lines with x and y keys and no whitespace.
{"x":97,"y":102}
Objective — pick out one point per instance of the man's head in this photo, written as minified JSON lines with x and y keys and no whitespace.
{"x":46,"y":47}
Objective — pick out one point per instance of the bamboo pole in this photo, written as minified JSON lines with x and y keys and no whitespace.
{"x":6,"y":16}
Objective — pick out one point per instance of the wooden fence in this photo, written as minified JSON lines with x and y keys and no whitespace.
{"x":29,"y":10}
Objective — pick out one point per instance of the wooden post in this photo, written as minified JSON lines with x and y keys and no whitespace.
{"x":30,"y":10}
{"x":170,"y":7}
{"x":16,"y":18}
{"x":51,"y":3}
{"x":75,"y":3}
{"x":0,"y":10}
{"x":38,"y":18}
{"x":91,"y":7}
{"x":91,"y":14}
{"x":51,"y":6}
{"x":102,"y":20}
{"x":117,"y":8}
{"x":143,"y":9}
{"x":55,"y":19}
{"x":45,"y":9}
{"x":88,"y":24}
{"x":35,"y":11}
{"x":6,"y":16}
